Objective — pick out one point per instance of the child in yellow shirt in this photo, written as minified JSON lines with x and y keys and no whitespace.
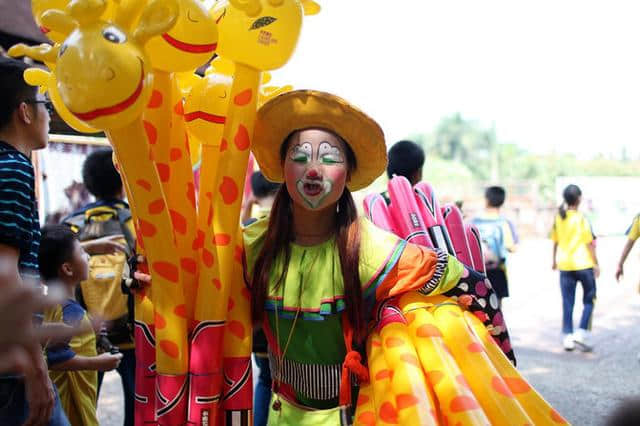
{"x":574,"y":256}
{"x":73,"y":366}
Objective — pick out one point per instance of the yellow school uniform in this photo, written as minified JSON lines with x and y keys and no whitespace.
{"x":77,"y":389}
{"x":572,"y":235}
{"x":634,"y":230}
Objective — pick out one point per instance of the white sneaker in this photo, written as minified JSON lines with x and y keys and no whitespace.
{"x":567,"y":342}
{"x":582,"y":338}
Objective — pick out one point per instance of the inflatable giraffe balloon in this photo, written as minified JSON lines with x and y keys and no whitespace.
{"x":46,"y":80}
{"x":103,"y":78}
{"x":247,"y":37}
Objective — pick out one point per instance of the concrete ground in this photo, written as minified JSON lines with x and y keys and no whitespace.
{"x":583,"y":387}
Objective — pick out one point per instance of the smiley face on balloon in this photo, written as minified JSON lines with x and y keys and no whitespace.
{"x":102,"y":70}
{"x":261,"y":34}
{"x":190,"y":43}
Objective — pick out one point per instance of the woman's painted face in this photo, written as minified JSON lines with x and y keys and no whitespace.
{"x":315,"y":168}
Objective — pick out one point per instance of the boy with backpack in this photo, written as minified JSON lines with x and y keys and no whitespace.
{"x":498,"y":237}
{"x":101,"y":294}
{"x":63,"y":264}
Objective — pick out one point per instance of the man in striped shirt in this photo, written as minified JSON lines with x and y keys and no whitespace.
{"x":24,"y":127}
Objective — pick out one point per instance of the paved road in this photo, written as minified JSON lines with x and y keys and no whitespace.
{"x":582,"y":387}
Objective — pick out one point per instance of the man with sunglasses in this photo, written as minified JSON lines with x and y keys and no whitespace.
{"x":27,"y":396}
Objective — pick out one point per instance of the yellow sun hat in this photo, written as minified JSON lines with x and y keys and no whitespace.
{"x":305,"y":109}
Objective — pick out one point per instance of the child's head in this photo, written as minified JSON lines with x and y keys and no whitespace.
{"x":61,"y":256}
{"x":100,"y":175}
{"x":572,"y":195}
{"x":261,"y":187}
{"x":406,"y":159}
{"x":495,"y":195}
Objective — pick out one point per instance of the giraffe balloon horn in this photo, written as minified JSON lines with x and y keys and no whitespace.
{"x":250,"y":7}
{"x":44,"y":52}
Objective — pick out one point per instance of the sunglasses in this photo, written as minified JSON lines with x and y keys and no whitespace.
{"x":47,"y":104}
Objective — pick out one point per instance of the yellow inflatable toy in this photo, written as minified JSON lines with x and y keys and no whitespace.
{"x":46,"y":80}
{"x":103,"y":78}
{"x":457,"y":371}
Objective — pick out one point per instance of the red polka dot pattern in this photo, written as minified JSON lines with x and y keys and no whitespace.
{"x":175,"y":154}
{"x":393,"y":342}
{"x":170,"y":348}
{"x":428,"y":330}
{"x":228,"y":190}
{"x":164,"y":171}
{"x":500,"y":386}
{"x":517,"y":385}
{"x":405,"y":400}
{"x":156,"y":99}
{"x":236,"y":328}
{"x":157,"y":206}
{"x":243,"y":97}
{"x":166,"y":270}
{"x":388,"y":413}
{"x":242,"y":139}
{"x":144,"y":184}
{"x":159,"y":321}
{"x":188,"y":265}
{"x":221,"y":239}
{"x":150,"y":130}
{"x":198,"y":242}
{"x":181,"y":311}
{"x":463,"y":403}
{"x":207,"y":258}
{"x":146,"y":229}
{"x":179,"y":222}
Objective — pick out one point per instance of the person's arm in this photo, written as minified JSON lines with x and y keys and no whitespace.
{"x":554,"y":265}
{"x":592,"y":250}
{"x":625,"y":252}
{"x":102,"y":362}
{"x":420,"y":268}
{"x":39,"y":389}
{"x":105,"y":245}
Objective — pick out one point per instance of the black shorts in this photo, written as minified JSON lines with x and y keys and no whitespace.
{"x":499,"y":283}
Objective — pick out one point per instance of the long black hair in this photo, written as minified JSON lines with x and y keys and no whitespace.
{"x":571,"y":195}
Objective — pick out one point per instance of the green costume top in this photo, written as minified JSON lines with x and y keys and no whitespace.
{"x":311,"y":368}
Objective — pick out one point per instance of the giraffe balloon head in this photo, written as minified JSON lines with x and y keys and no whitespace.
{"x":102,"y":71}
{"x":261,"y":34}
{"x":189,"y":44}
{"x":205,"y":107}
{"x":38,"y":7}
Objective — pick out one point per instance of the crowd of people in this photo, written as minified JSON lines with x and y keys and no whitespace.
{"x":293,"y":230}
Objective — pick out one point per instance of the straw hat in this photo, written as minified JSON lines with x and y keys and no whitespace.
{"x":304,"y":109}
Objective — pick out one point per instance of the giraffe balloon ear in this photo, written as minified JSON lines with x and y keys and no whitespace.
{"x":37,"y":77}
{"x":310,"y":7}
{"x":127,"y":11}
{"x":58,"y":20}
{"x":43,"y":52}
{"x":250,"y":7}
{"x":158,"y":17}
{"x":86,"y":11}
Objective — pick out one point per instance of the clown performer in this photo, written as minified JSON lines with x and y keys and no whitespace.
{"x":315,"y":269}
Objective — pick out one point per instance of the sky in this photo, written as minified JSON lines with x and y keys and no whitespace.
{"x":558,"y":75}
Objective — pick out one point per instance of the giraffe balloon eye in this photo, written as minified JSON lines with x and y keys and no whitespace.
{"x":114,"y":35}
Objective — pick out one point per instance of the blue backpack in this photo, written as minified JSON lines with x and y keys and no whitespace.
{"x":493,"y":245}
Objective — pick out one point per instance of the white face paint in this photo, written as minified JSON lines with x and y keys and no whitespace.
{"x":315,"y":169}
